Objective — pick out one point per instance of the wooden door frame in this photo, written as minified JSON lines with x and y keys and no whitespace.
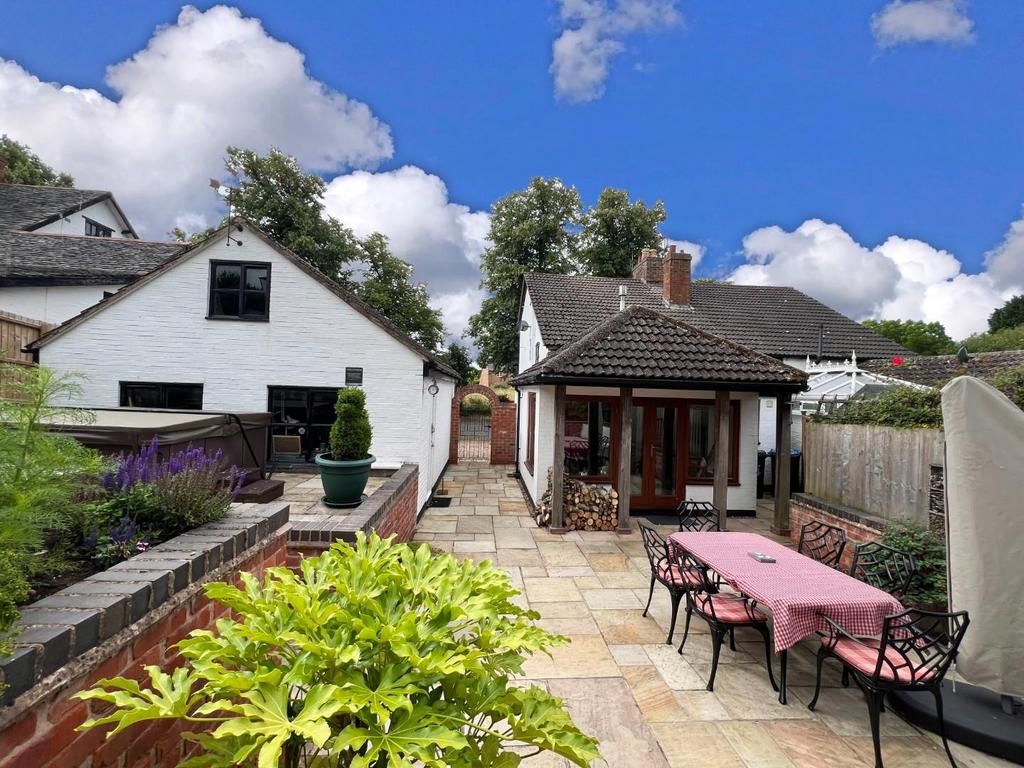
{"x":647,"y":499}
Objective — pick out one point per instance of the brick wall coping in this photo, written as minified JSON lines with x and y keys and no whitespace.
{"x":362,"y":518}
{"x":57,"y":630}
{"x":838,"y":510}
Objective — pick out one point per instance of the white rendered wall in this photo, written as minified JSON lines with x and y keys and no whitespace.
{"x":529,"y":338}
{"x":160,"y":333}
{"x":51,"y":304}
{"x":74,"y":223}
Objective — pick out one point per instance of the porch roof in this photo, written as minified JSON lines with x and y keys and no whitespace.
{"x":642,"y":347}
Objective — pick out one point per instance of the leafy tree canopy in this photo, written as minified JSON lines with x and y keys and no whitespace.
{"x":997,"y":341}
{"x":531,"y":231}
{"x":387,"y":287}
{"x":916,"y":335}
{"x":25,"y":167}
{"x":615,"y":230}
{"x":276,"y":193}
{"x":1010,"y":315}
{"x":457,"y":356}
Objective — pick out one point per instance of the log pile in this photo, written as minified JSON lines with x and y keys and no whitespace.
{"x":585,"y":507}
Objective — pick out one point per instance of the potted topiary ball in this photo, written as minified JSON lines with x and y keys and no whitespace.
{"x":345,"y":470}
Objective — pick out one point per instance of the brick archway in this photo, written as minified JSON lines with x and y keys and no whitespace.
{"x":503,"y":425}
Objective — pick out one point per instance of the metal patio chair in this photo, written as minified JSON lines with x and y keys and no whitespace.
{"x":822,"y":542}
{"x":665,"y":571}
{"x":887,"y":568}
{"x":697,"y":516}
{"x":914,"y":653}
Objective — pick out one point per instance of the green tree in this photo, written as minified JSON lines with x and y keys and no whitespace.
{"x":999,"y":341}
{"x":916,"y":335}
{"x":284,"y":201}
{"x":1010,"y":315}
{"x":25,"y":167}
{"x":530,"y":232}
{"x":457,"y":356}
{"x":387,"y":288}
{"x":615,"y":230}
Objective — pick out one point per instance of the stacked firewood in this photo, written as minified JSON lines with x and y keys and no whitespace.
{"x":585,"y":507}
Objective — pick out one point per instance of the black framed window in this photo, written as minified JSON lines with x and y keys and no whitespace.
{"x":239,"y":290}
{"x":95,"y":229}
{"x":353,"y":377}
{"x":149,"y":394}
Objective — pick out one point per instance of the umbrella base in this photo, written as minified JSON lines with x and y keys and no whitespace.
{"x":974,"y":718}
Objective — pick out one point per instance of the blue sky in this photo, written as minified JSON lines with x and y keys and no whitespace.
{"x":739,"y":116}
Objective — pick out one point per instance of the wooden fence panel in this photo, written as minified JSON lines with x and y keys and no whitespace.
{"x":16,"y":332}
{"x":883,"y":471}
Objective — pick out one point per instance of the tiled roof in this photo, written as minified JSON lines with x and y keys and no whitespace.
{"x":777,"y":321}
{"x":935,"y":371}
{"x":644,"y":345}
{"x":25,"y":207}
{"x":30,"y":258}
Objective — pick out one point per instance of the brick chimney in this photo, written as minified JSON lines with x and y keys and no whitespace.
{"x":675,"y":285}
{"x":648,"y":267}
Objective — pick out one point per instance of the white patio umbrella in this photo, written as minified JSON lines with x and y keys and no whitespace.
{"x":985,"y":519}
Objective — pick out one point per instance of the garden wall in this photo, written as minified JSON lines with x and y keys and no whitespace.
{"x":391,"y":509}
{"x":503,"y":425}
{"x":887,"y":472}
{"x":115,"y":623}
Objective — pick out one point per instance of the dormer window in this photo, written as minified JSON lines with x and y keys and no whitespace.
{"x":95,"y":229}
{"x":239,"y":291}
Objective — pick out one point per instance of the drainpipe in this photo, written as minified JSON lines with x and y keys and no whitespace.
{"x":519,"y":400}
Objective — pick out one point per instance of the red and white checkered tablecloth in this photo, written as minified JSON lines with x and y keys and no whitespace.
{"x":795,"y":588}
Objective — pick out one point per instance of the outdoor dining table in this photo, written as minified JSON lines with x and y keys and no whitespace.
{"x":795,"y":589}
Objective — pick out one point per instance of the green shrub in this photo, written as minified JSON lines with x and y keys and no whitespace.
{"x":901,"y":406}
{"x":351,"y":432}
{"x":996,"y":341}
{"x":375,"y":655}
{"x":1011,"y":383}
{"x":475,"y":404}
{"x":928,"y":589}
{"x":42,"y":477}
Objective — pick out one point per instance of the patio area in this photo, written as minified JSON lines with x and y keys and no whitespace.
{"x":623,"y":685}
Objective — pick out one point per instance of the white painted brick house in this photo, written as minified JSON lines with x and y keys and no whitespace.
{"x":242,"y":324}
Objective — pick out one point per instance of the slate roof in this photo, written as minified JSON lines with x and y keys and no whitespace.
{"x":777,"y":321}
{"x":31,"y":258}
{"x":26,"y":207}
{"x":645,"y":345}
{"x":935,"y":371}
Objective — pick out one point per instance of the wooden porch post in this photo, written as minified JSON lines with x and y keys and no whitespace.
{"x":723,"y":450}
{"x":783,"y":425}
{"x":558,"y":462}
{"x":625,"y":449}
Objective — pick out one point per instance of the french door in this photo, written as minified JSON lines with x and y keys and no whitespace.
{"x":301,"y":419}
{"x":656,"y":461}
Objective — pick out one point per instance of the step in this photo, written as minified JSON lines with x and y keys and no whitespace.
{"x":261,"y":491}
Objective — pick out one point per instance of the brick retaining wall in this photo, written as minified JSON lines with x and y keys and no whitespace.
{"x":391,"y":509}
{"x":860,"y":527}
{"x":115,"y":623}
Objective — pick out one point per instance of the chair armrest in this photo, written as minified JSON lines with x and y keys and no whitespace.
{"x":837,"y":632}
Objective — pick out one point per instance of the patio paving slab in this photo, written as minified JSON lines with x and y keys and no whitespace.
{"x":622,"y":683}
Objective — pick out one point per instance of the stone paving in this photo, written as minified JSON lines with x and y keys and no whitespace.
{"x":303,"y":492}
{"x":624,"y":685}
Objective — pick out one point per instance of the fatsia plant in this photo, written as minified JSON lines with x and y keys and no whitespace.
{"x":376,"y":655}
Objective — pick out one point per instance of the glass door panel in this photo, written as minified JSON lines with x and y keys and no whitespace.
{"x":663,"y":451}
{"x":637,"y":453}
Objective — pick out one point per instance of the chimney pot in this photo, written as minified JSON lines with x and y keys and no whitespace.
{"x":676,"y":277}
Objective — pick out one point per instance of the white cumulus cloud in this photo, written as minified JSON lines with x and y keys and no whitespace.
{"x":593,"y":33}
{"x":1005,"y":262}
{"x":901,"y":279}
{"x":441,"y":239}
{"x":211,"y":79}
{"x":922,"y":21}
{"x":696,"y":250}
